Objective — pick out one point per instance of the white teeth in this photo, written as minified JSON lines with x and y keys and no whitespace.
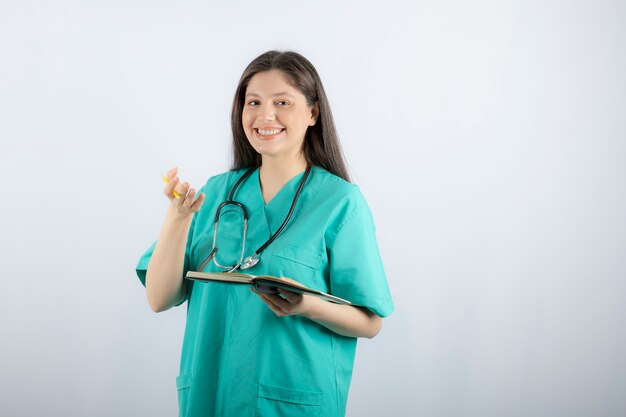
{"x":269,"y":132}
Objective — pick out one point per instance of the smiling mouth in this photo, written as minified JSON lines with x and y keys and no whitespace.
{"x":268,"y":132}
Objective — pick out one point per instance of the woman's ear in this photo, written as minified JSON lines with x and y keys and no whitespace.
{"x":315,"y":112}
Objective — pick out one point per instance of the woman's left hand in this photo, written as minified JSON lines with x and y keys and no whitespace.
{"x":288,"y":303}
{"x":346,"y":320}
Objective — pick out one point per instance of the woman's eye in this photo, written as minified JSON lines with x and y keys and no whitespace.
{"x":282,"y":103}
{"x":253,"y":103}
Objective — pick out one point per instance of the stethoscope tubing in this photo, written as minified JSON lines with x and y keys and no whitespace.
{"x":291,"y":209}
{"x":255,"y":257}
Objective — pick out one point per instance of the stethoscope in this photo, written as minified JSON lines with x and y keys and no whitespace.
{"x":253,"y":259}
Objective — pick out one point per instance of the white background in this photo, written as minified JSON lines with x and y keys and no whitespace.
{"x":487,"y":136}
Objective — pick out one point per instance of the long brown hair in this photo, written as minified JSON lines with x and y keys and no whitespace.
{"x":321,"y":145}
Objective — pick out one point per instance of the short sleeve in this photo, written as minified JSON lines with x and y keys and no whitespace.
{"x":142,"y":265}
{"x":144,"y":261}
{"x":356,"y":268}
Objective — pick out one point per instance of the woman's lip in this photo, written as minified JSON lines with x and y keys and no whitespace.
{"x":260,"y":136}
{"x":269,"y":128}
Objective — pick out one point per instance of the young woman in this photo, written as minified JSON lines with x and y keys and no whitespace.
{"x":251,"y":354}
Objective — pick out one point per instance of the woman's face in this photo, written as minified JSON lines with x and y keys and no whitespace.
{"x":276,"y":116}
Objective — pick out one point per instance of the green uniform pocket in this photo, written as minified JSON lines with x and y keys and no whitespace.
{"x":183,"y":385}
{"x":277,"y":401}
{"x":296,"y":263}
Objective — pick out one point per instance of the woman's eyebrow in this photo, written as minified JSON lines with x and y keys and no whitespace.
{"x":284,"y":93}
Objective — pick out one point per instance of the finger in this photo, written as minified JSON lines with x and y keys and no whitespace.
{"x":274,"y":301}
{"x":189,"y":198}
{"x":292,"y":281}
{"x":291,"y":297}
{"x":279,"y":302}
{"x":172,"y":173}
{"x":195,"y":206}
{"x":182,"y":189}
{"x":277,"y":310}
{"x":170,"y":178}
{"x":170,"y":187}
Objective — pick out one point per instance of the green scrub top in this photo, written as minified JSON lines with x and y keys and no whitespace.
{"x":238,"y":357}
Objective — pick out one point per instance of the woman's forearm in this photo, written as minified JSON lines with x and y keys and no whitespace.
{"x":165,"y":286}
{"x":346,"y":320}
{"x":342,"y":319}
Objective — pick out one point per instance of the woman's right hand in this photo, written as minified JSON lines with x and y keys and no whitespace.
{"x":186,"y":202}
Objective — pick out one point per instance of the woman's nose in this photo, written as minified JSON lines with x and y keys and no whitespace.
{"x":267,"y":113}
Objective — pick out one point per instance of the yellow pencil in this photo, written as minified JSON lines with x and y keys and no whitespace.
{"x":174,"y":193}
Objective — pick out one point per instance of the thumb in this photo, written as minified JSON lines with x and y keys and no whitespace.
{"x":292,"y":297}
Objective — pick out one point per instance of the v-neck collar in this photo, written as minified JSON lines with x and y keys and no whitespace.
{"x":277,"y":208}
{"x":289,"y":187}
{"x":267,"y":218}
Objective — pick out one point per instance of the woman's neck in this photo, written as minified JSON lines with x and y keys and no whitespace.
{"x":274,"y":174}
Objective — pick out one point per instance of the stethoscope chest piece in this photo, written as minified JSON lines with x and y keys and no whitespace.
{"x":249,"y":262}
